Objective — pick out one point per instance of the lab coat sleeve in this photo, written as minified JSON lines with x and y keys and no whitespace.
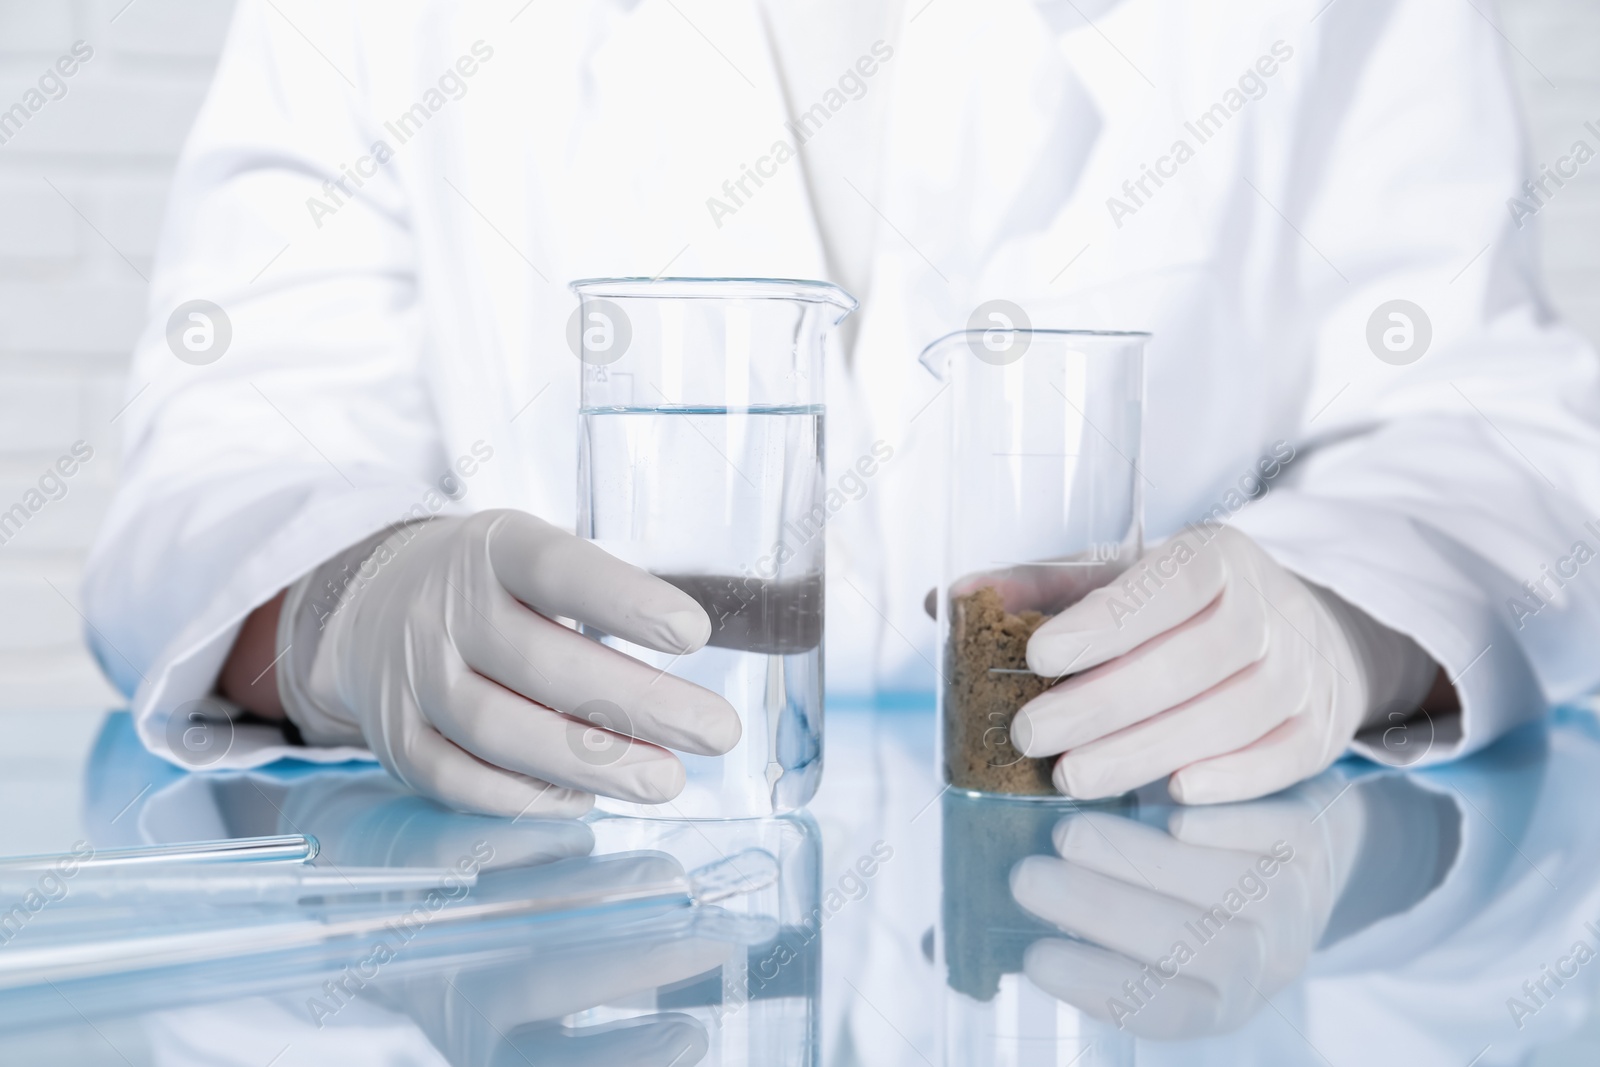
{"x":1429,"y":493}
{"x":312,"y":429}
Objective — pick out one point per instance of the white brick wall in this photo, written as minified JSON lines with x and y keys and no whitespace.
{"x":70,"y":304}
{"x":1559,"y":75}
{"x":72,"y":298}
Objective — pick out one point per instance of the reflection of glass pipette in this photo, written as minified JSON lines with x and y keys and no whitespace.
{"x":592,"y":886}
{"x":127,"y":991}
{"x":283,"y":848}
{"x":270,"y":882}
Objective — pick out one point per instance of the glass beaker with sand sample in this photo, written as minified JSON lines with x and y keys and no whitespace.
{"x":1043,"y":505}
{"x":700,"y":459}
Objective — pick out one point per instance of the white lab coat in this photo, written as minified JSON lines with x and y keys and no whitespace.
{"x":374,"y":346}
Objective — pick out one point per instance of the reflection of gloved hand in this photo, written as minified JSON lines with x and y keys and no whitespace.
{"x":1200,"y":922}
{"x":1214,"y":664}
{"x":507,"y":1007}
{"x":367,"y":819}
{"x":476,"y":994}
{"x":447,"y":663}
{"x":511,"y":1013}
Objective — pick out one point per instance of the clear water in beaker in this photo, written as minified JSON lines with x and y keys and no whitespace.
{"x":701,"y":460}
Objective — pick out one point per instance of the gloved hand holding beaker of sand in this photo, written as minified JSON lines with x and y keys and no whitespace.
{"x":1210,"y":662}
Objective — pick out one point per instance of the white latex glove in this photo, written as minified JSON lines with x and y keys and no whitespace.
{"x":449,"y":665}
{"x":1210,"y":663}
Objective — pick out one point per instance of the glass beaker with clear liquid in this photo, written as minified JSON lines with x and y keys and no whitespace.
{"x":1044,"y":501}
{"x":700,"y":459}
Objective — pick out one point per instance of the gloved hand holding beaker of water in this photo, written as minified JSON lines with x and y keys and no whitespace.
{"x":450,"y":665}
{"x":692,"y":684}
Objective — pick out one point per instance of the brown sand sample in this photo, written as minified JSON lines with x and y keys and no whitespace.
{"x":989,"y":681}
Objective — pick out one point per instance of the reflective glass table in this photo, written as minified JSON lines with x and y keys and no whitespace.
{"x":1367,"y":917}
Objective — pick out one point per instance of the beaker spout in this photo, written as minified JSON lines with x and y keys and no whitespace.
{"x":936,"y":357}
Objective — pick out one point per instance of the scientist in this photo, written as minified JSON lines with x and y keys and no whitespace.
{"x":349,"y":459}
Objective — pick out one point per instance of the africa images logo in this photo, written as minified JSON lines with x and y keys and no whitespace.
{"x":1399,"y":332}
{"x":199,"y":332}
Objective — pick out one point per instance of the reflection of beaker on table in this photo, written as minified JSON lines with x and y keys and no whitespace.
{"x":992,"y":1012}
{"x":762,"y":1004}
{"x":1043,"y":506}
{"x":701,"y":460}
